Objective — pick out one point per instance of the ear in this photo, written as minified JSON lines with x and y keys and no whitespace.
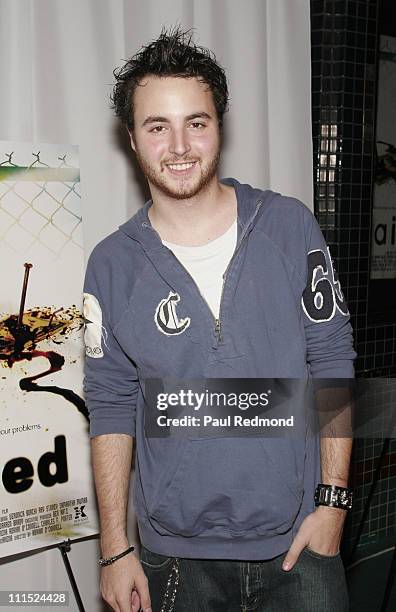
{"x":131,"y":138}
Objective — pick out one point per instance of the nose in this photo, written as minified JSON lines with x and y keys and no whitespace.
{"x":179,"y":144}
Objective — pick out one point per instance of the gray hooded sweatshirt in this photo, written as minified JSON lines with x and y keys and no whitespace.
{"x":282,"y":315}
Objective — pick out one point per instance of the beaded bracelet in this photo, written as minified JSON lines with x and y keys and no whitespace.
{"x":111,"y":560}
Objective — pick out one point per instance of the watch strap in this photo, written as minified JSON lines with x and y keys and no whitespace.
{"x":333,"y":496}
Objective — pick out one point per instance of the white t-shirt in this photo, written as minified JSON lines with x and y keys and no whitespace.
{"x":207,"y":263}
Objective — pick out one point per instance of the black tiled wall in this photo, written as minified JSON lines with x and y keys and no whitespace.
{"x":344,"y":76}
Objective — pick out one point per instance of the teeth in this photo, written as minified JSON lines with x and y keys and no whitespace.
{"x":180,"y":166}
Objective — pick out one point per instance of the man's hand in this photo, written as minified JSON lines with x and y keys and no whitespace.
{"x":124,"y":585}
{"x":321,"y":531}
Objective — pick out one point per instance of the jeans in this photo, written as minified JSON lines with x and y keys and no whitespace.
{"x":316,"y":583}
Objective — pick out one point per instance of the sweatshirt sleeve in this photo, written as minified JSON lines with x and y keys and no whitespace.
{"x":110,"y":382}
{"x":330,"y":352}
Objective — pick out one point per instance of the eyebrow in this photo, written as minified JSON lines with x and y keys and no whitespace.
{"x":159,"y":119}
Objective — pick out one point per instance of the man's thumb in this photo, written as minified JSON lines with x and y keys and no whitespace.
{"x":294,"y":552}
{"x":141,"y":585}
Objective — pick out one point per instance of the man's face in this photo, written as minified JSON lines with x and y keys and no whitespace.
{"x":176,"y":135}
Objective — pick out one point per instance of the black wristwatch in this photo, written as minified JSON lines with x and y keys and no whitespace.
{"x":333,"y":496}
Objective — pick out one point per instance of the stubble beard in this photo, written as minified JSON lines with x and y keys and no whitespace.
{"x":182,"y":189}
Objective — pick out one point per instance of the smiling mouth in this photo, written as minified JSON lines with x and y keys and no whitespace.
{"x":181,"y":167}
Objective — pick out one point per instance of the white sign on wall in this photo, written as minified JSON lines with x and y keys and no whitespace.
{"x":383,"y":253}
{"x":383,"y":247}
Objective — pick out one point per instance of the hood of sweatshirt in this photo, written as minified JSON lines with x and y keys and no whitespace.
{"x":249,"y":202}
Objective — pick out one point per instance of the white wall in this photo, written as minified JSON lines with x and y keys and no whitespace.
{"x":56,"y":62}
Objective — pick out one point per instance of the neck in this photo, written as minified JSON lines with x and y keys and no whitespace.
{"x":167,"y":208}
{"x":197,"y":220}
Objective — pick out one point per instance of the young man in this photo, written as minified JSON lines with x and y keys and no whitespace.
{"x":210,"y":279}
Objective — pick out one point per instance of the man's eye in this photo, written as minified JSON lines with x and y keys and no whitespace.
{"x":157,"y":129}
{"x":197,"y":125}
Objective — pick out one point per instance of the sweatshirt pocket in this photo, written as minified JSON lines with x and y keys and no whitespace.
{"x":239,"y":485}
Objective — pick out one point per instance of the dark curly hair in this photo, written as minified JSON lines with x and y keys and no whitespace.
{"x":172,"y":54}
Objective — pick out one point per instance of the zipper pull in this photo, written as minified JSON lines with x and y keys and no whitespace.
{"x":218,"y":329}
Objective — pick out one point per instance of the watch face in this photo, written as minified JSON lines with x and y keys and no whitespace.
{"x":344,"y":497}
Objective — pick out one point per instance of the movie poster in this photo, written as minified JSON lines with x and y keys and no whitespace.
{"x":47,"y":493}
